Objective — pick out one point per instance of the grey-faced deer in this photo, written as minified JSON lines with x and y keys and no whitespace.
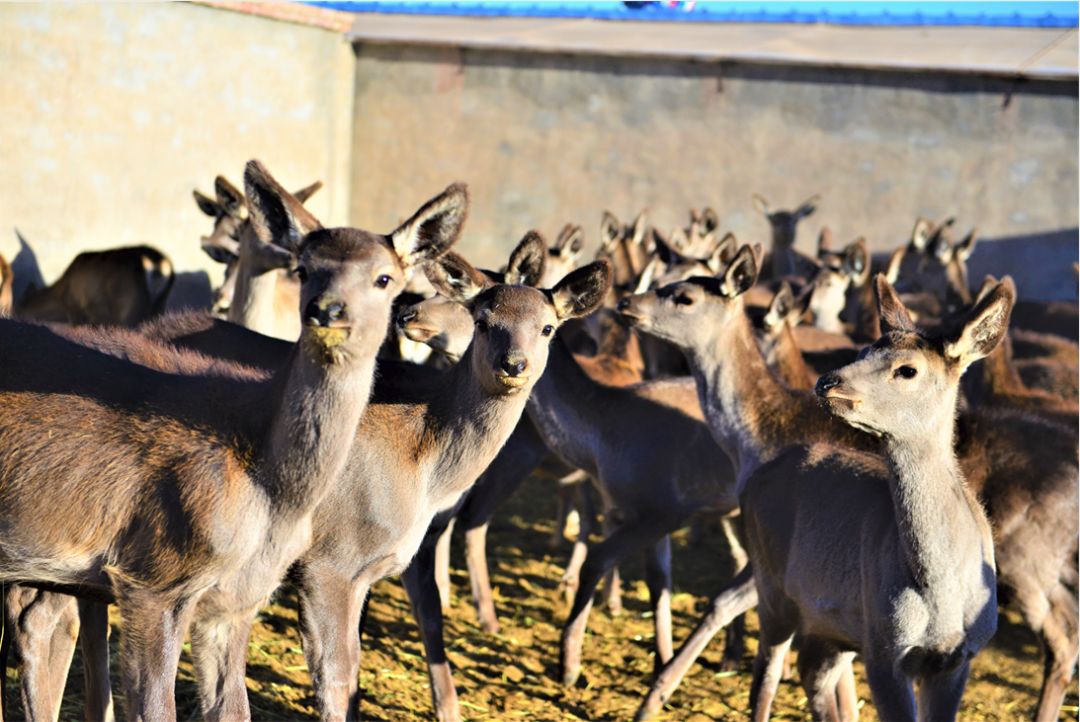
{"x":120,"y":286}
{"x":785,"y":260}
{"x":192,"y":449}
{"x":268,"y":293}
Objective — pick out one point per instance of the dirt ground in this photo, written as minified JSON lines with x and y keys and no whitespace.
{"x":512,"y":675}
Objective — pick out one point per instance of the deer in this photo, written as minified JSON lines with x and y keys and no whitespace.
{"x":7,"y":279}
{"x":268,"y":293}
{"x":183,"y":463}
{"x":122,"y":286}
{"x":785,"y":260}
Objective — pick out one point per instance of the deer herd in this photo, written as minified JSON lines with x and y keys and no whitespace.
{"x":888,"y":458}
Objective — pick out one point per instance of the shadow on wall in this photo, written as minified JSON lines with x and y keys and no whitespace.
{"x":191,"y":291}
{"x":1040,"y":263}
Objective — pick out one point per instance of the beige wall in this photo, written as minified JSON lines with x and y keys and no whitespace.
{"x":114,"y":113}
{"x":547,"y":139}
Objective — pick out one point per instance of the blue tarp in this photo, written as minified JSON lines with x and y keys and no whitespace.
{"x":1009,"y":14}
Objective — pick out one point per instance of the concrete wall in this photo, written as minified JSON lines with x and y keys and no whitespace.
{"x":114,"y":113}
{"x":547,"y":139}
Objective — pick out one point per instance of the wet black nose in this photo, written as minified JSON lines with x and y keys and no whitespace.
{"x":622,"y":305}
{"x":325,"y":315}
{"x":406,"y":315}
{"x":826,"y":382}
{"x":514,"y":365}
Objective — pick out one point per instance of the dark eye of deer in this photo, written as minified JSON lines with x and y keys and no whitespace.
{"x":683,"y":300}
{"x":382,"y":281}
{"x":481,"y":325}
{"x":906,"y":372}
{"x":301,"y":273}
{"x":547,"y":330}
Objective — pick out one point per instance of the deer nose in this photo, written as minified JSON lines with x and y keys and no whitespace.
{"x":406,"y":315}
{"x":623,"y":304}
{"x":826,"y":382}
{"x":323,"y":312}
{"x":514,"y":364}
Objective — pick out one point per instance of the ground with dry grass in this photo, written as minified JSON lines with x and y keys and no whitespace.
{"x":512,"y":675}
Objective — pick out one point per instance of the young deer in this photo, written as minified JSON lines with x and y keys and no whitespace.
{"x":258,"y":280}
{"x":182,"y":462}
{"x":785,"y":260}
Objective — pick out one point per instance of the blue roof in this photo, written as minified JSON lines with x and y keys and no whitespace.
{"x":1010,"y":14}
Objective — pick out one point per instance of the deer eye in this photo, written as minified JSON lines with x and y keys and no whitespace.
{"x":481,"y":325}
{"x":382,"y":281}
{"x":683,"y":300}
{"x":906,"y":372}
{"x":301,"y":273}
{"x":547,"y":330}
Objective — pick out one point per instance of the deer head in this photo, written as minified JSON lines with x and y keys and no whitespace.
{"x":512,"y":322}
{"x":907,"y":381}
{"x":349,"y":277}
{"x":783,"y":222}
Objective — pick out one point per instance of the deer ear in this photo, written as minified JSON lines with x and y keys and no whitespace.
{"x":207,"y":205}
{"x":824,"y":241}
{"x":610,"y":229}
{"x":229,"y":196}
{"x":741,"y":274}
{"x":808,"y":206}
{"x":434,"y":228}
{"x":306,"y":192}
{"x":582,"y":291}
{"x":710,"y":221}
{"x":761,"y":204}
{"x":966,"y":247}
{"x":527,"y":261}
{"x":455,"y":278}
{"x":986,"y":325}
{"x":891,"y":310}
{"x":276,"y":215}
{"x":857,"y":262}
{"x":779,"y":307}
{"x":677,"y":240}
{"x":892,"y":271}
{"x":641,"y":226}
{"x":723,"y":252}
{"x":222,"y":251}
{"x":987,"y":285}
{"x":571,"y":239}
{"x":920,"y":234}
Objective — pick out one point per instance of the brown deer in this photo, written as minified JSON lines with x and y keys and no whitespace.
{"x":268,"y":292}
{"x":183,"y":463}
{"x":785,"y":260}
{"x":120,"y":286}
{"x":7,"y":279}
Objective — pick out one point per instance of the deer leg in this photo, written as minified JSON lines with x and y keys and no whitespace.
{"x":626,"y":539}
{"x":658,"y":579}
{"x":46,"y":627}
{"x":890,"y":689}
{"x":847,"y":696}
{"x":612,"y":580}
{"x":563,"y":496}
{"x":479,"y":581}
{"x":739,"y":596}
{"x":442,"y":566}
{"x":1059,"y":639}
{"x":820,"y":667}
{"x":419,"y":584}
{"x":734,"y":633}
{"x":219,"y":646}
{"x":94,"y":642}
{"x":154,"y":627}
{"x":330,"y":607}
{"x":940,"y":694}
{"x":768,"y":666}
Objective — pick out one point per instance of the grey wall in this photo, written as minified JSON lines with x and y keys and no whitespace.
{"x":113,"y":113}
{"x":546,"y":139}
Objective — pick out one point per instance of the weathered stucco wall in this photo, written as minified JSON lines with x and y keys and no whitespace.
{"x":547,"y":139}
{"x":114,"y":113}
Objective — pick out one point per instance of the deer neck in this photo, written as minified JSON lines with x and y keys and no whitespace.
{"x":318,"y":407}
{"x":621,"y":342}
{"x":944,"y":535}
{"x":253,"y":303}
{"x":465,"y":426}
{"x":564,"y":406}
{"x":791,"y":367}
